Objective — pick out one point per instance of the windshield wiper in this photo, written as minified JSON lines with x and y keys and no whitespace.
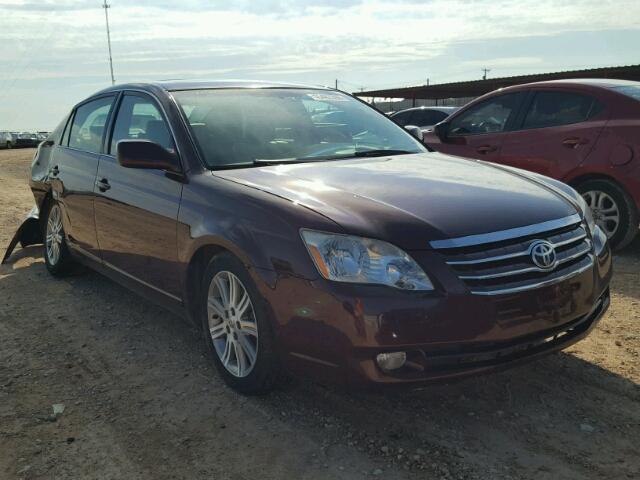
{"x":358,"y":154}
{"x":380,"y":153}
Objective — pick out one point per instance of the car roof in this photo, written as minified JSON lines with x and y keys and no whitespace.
{"x":433,"y":107}
{"x":582,"y":82}
{"x":176,"y":85}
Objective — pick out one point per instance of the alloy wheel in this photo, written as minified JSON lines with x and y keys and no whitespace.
{"x":53,"y":240}
{"x":232,"y":324}
{"x":605,"y":211}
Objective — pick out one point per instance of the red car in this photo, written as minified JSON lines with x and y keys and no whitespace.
{"x":583,"y":132}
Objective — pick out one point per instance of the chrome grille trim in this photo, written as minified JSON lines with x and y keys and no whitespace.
{"x":509,"y":273}
{"x":508,"y":266}
{"x":509,"y":234}
{"x":515,"y":255}
{"x":540,"y":284}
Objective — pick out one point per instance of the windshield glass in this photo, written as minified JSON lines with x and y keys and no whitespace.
{"x":632,"y":91}
{"x":243,"y":127}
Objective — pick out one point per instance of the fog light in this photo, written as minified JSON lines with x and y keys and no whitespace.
{"x":391,"y":361}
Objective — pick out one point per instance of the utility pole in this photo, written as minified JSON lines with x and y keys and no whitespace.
{"x":484,"y":73}
{"x":336,"y":83}
{"x":106,"y":6}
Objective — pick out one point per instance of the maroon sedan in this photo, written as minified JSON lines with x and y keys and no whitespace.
{"x":342,"y":251}
{"x":583,"y":132}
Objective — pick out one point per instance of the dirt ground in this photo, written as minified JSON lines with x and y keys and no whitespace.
{"x":141,"y":401}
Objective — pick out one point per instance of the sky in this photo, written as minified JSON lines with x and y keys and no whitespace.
{"x":53,"y":53}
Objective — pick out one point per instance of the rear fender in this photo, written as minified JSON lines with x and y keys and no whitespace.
{"x":28,"y":233}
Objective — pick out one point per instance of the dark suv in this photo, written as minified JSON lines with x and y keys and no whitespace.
{"x":583,"y":132}
{"x":343,"y":251}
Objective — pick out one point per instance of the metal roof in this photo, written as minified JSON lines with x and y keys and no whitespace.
{"x":476,"y":88}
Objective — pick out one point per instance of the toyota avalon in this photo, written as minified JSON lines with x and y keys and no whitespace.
{"x":333,"y":247}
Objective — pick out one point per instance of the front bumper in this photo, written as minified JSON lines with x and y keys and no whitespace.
{"x":332,"y":332}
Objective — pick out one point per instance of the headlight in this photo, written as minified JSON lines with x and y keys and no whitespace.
{"x":588,"y":214}
{"x":345,"y":258}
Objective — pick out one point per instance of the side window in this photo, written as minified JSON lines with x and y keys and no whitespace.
{"x":550,"y":109}
{"x":490,"y":116}
{"x":139,"y":119}
{"x":425,"y":118}
{"x":403,"y":118}
{"x":88,"y":125}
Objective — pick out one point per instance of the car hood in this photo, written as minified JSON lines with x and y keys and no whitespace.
{"x":411,"y":200}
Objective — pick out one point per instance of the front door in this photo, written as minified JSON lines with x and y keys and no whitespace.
{"x":478,"y":131}
{"x":136,"y":210}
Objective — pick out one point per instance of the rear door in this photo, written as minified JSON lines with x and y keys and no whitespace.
{"x":136,"y":210}
{"x":479,"y":131}
{"x":73,"y":171}
{"x":556,"y":132}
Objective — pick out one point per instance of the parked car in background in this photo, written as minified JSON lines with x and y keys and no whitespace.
{"x":27,"y":139}
{"x":295,"y":244}
{"x":42,"y":136}
{"x":423,"y":117}
{"x":583,"y":132}
{"x":6,"y":140}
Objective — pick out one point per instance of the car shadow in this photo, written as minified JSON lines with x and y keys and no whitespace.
{"x":563,"y":416}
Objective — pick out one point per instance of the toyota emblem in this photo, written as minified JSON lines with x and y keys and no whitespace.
{"x":543,"y":254}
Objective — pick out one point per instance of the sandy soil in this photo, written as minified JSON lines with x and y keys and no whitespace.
{"x":141,"y":401}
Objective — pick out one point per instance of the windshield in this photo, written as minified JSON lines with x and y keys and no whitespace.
{"x":632,"y":91}
{"x":244,"y":127}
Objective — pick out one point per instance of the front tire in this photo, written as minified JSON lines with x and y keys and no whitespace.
{"x":236,"y":328}
{"x":613,"y":210}
{"x":56,"y":253}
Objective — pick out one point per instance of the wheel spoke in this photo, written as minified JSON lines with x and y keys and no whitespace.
{"x":217,"y":331}
{"x":226,"y":355}
{"x":241,"y":360}
{"x":248,"y":328}
{"x":248,"y":349}
{"x":233,"y":290}
{"x":215,"y":305}
{"x":243,"y":304}
{"x":223,"y":288}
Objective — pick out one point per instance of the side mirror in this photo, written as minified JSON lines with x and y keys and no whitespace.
{"x":146,"y":154}
{"x":415,"y":131}
{"x":441,"y":130}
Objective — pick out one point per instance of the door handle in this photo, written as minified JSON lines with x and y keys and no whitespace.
{"x":54,"y":171}
{"x":103,"y":184}
{"x":484,"y":149}
{"x":574,"y":142}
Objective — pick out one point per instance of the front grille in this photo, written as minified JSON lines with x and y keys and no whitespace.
{"x":506,"y":266}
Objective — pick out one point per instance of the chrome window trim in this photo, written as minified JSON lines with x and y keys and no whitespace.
{"x":482,"y":238}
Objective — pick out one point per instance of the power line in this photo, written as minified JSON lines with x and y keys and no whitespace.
{"x":106,"y":7}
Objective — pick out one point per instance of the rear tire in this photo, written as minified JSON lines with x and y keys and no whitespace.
{"x":613,"y":209}
{"x":236,"y":329}
{"x":56,"y":253}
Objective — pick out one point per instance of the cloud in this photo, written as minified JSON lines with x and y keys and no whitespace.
{"x":370,"y":43}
